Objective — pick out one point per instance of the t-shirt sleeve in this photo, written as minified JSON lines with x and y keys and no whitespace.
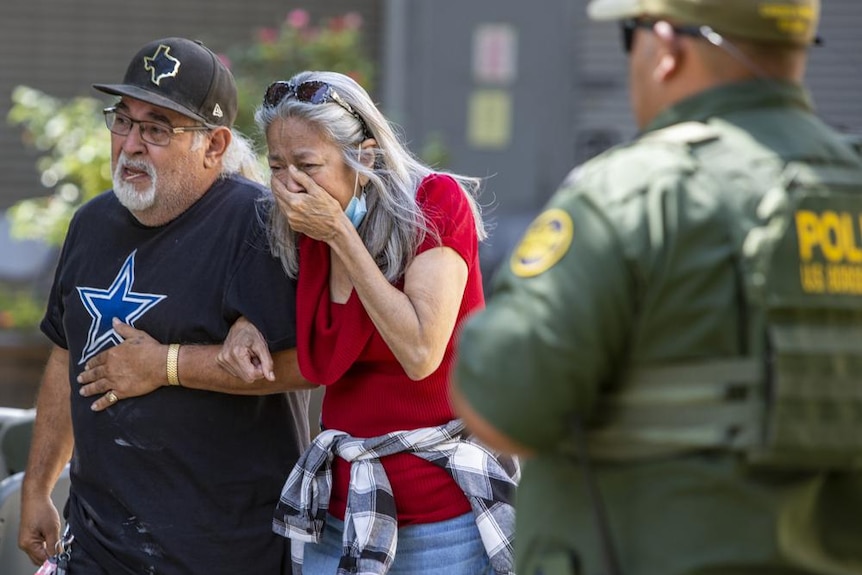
{"x":448,"y":213}
{"x":261,"y":291}
{"x":52,"y":322}
{"x":535,"y":358}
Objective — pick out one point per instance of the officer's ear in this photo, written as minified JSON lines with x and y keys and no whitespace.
{"x":669,"y":52}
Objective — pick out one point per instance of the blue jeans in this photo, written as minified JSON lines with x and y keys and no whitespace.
{"x":451,"y":547}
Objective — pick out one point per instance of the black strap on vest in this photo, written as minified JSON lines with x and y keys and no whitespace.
{"x":609,"y":552}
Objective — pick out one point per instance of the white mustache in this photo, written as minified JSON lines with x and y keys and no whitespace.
{"x":123,"y":162}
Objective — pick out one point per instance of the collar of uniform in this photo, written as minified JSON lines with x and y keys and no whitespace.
{"x":733,"y":98}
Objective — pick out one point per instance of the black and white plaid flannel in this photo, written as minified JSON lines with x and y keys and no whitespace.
{"x":370,"y":523}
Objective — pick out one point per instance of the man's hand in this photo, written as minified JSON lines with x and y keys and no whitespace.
{"x":133,"y":368}
{"x":40,"y":528}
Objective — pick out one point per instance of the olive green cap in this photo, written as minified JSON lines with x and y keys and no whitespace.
{"x":779,"y":21}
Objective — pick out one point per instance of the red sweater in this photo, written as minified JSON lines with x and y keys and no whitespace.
{"x":368,"y":393}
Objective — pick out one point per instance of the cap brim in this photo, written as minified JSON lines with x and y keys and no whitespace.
{"x":149,"y":97}
{"x":614,"y":9}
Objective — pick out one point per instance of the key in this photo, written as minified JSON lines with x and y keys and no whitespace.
{"x":62,"y":564}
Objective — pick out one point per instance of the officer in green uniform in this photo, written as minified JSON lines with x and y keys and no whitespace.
{"x":675,"y":344}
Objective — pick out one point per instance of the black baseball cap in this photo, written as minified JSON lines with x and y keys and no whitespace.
{"x":181,"y":75}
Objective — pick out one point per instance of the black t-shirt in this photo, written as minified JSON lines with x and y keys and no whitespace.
{"x":179,"y":480}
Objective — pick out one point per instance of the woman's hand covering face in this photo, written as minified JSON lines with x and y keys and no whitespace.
{"x":314,"y":212}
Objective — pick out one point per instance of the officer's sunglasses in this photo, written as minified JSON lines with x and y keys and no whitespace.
{"x":311,"y":92}
{"x":628,"y":27}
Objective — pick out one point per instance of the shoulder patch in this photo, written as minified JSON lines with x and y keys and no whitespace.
{"x":545,"y":242}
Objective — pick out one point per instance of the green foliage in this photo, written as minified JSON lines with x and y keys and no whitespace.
{"x":20,"y":309}
{"x":75,"y":161}
{"x":294,"y":46}
{"x":434,"y":151}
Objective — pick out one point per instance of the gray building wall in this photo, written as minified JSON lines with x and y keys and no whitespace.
{"x":568,"y":91}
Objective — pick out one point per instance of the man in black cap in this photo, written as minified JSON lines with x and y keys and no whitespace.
{"x":175,"y":464}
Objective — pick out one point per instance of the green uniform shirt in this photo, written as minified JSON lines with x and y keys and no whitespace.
{"x":631,"y":264}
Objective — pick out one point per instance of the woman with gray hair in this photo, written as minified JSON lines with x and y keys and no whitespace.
{"x":385,"y":252}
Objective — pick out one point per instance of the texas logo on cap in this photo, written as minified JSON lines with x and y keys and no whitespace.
{"x":161,"y":64}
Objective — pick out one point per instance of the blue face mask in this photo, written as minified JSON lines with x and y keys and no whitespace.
{"x":356,"y":210}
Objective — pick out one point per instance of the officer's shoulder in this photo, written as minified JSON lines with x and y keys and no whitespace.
{"x":855,"y":142}
{"x":628,"y":168}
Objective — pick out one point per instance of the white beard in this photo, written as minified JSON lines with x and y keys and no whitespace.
{"x":129,"y":196}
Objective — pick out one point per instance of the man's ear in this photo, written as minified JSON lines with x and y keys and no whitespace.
{"x":668,"y":50}
{"x":219,"y":141}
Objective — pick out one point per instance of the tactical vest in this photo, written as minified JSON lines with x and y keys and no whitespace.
{"x":796,"y":401}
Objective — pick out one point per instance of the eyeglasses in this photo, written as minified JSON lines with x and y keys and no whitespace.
{"x":311,"y":92}
{"x":628,"y":27}
{"x":154,"y":133}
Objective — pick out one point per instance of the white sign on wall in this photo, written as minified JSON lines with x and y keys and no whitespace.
{"x":495,"y":53}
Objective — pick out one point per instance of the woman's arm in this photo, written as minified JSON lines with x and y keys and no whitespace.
{"x":138,"y":366}
{"x":416,"y":323}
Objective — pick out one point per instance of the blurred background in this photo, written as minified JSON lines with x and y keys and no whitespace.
{"x":515,"y":92}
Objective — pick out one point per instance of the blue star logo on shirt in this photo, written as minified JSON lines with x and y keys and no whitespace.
{"x":117,"y":301}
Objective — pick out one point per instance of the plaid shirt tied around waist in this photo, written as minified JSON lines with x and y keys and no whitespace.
{"x":370,"y":522}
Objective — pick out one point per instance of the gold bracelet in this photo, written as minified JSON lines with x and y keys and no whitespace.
{"x":173,"y":364}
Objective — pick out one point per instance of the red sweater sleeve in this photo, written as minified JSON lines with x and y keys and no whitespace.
{"x":449,"y":216}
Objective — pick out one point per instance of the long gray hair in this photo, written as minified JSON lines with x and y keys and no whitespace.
{"x":239,"y":157}
{"x":394,"y":226}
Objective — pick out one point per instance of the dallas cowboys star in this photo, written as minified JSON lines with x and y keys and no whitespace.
{"x":118,"y":301}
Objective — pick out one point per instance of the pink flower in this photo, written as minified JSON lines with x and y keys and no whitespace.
{"x":336,"y":24}
{"x":298,"y":18}
{"x":267,"y":35}
{"x":352,"y":20}
{"x":224,"y":60}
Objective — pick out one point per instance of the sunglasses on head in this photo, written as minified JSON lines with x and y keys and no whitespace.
{"x":310,"y":92}
{"x":628,"y":27}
